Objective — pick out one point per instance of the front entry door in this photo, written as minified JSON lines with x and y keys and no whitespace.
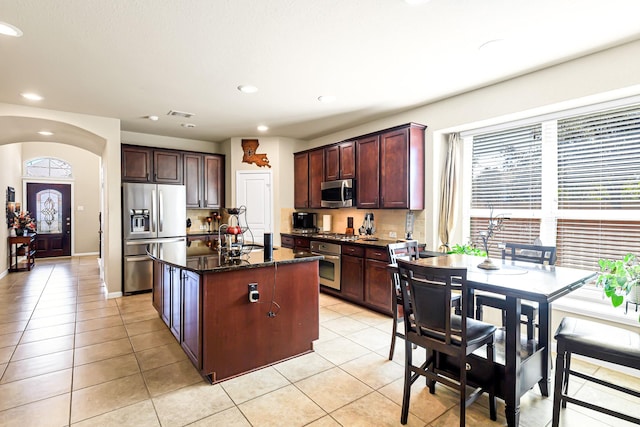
{"x":50,"y":204}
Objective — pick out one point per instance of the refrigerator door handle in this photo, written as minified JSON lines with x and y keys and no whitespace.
{"x":161,"y":211}
{"x":153,"y":211}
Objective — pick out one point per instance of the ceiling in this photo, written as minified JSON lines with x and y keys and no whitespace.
{"x":129,"y":59}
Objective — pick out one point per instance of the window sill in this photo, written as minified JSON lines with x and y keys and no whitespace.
{"x":600,"y":310}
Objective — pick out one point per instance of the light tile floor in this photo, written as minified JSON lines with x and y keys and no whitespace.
{"x":68,"y":356}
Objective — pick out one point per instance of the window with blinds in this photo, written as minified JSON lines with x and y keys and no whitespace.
{"x":599,"y":160}
{"x":515,"y":230}
{"x":590,"y":208}
{"x":507,"y":169}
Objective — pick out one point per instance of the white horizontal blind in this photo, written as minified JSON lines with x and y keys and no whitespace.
{"x":515,"y":230}
{"x":599,"y":160}
{"x":507,"y":169}
{"x":581,"y":243}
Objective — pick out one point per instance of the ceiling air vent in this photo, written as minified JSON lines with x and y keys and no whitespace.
{"x":180,"y":114}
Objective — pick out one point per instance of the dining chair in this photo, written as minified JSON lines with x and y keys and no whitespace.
{"x":529,"y":310}
{"x":430,"y":324}
{"x":404,"y":250}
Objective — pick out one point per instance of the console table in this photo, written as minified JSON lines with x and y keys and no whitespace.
{"x":22,"y":252}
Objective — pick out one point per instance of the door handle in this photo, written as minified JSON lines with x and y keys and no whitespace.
{"x":161,"y":210}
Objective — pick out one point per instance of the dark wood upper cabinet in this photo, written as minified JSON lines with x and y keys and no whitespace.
{"x":193,"y":179}
{"x":390,"y":170}
{"x":136,"y":164}
{"x":143,"y":164}
{"x":316,"y":176}
{"x":167,"y":167}
{"x":340,"y":161}
{"x":301,"y":180}
{"x":368,"y":172}
{"x":204,"y":180}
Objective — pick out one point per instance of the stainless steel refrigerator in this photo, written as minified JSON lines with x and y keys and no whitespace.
{"x":151,"y":213}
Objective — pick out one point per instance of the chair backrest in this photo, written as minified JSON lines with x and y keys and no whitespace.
{"x":530,"y":253}
{"x":429,"y":290}
{"x":401,"y":250}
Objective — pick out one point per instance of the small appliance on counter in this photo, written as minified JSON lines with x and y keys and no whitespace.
{"x":349,"y":230}
{"x":368,"y":228}
{"x":304,"y":222}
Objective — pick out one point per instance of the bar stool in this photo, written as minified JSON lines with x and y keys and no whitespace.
{"x":596,"y":340}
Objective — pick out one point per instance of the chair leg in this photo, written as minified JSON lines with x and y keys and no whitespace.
{"x":395,"y":328}
{"x":463,"y":392}
{"x":530,"y":328}
{"x":558,"y":387}
{"x":566,"y":367}
{"x":479,"y":311}
{"x":406,"y":395}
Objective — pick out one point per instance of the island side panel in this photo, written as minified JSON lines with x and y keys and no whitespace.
{"x":239,"y":336}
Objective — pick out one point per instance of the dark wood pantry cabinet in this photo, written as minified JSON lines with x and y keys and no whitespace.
{"x":204,"y":180}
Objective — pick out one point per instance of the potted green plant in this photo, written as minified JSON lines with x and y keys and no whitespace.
{"x":620,"y":279}
{"x":467,"y":249}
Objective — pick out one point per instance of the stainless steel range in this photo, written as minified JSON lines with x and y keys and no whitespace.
{"x":330,"y":265}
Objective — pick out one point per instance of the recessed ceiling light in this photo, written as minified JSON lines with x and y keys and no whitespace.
{"x":10,"y":30}
{"x":32,"y":96}
{"x":187,"y":125}
{"x":247,"y":89}
{"x":326,"y":99}
{"x":153,"y":118}
{"x":45,"y":133}
{"x":263,"y":128}
{"x":491,"y":45}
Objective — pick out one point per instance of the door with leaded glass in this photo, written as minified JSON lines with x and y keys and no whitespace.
{"x":50,"y":204}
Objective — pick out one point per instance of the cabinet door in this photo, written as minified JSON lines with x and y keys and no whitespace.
{"x":191,"y":319}
{"x":394,"y":169}
{"x":213,"y":182}
{"x":301,"y":244}
{"x":166,"y":294}
{"x":157,"y":287}
{"x":351,"y":277}
{"x":176,"y":303}
{"x":301,"y":180}
{"x":368,"y":177}
{"x":136,"y":164}
{"x":332,"y":163}
{"x":316,"y":176}
{"x":348,"y":160}
{"x":193,"y":180}
{"x":377,"y":285}
{"x":167,"y":167}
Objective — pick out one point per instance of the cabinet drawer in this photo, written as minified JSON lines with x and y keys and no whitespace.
{"x":287,"y":242}
{"x":378,"y":254}
{"x":353,"y":250}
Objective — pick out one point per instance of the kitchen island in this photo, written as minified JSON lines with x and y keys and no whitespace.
{"x":205,"y":301}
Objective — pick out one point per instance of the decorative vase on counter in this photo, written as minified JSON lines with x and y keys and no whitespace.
{"x":12,"y":232}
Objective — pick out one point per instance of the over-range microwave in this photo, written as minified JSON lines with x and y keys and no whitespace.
{"x":338,"y":194}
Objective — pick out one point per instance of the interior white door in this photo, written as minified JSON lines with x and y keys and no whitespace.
{"x":253,"y":190}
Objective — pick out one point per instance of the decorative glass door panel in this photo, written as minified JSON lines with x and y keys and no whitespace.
{"x":50,"y":204}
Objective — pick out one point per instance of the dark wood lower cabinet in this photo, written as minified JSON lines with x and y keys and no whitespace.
{"x":377,"y":285}
{"x":352,"y":277}
{"x":191,"y":338}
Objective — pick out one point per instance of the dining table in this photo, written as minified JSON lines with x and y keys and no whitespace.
{"x":523,"y":363}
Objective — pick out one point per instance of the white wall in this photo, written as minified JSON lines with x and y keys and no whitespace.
{"x":9,"y":177}
{"x":86,"y":190}
{"x":594,"y":78}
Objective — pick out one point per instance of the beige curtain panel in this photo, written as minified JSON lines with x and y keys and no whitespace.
{"x":448,"y":190}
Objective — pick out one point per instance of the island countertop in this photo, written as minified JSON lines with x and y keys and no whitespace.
{"x":198,"y":257}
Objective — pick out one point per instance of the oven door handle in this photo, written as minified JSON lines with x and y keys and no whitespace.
{"x":337,"y":258}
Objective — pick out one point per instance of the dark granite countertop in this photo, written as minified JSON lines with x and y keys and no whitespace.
{"x":379,"y":243}
{"x":199,"y":257}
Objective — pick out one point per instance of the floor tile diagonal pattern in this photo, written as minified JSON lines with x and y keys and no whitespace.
{"x":70,"y":357}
